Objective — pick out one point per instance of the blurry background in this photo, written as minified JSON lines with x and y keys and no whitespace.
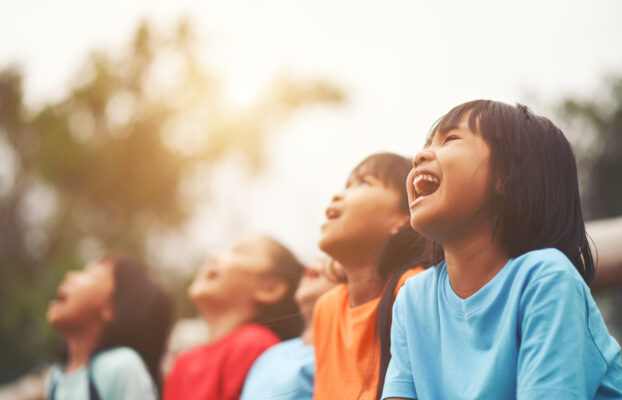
{"x":164,"y":128}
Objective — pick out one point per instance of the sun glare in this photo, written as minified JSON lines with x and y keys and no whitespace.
{"x":241,"y":94}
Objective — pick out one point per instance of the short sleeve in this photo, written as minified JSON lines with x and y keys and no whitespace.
{"x":399,"y":380}
{"x":556,"y":351}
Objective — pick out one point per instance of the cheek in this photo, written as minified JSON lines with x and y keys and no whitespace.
{"x":75,"y":310}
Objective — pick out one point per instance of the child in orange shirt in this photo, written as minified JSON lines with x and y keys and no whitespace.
{"x":367,"y":231}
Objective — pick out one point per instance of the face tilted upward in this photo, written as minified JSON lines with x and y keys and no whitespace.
{"x":84,"y":296}
{"x":449,"y":184}
{"x":363,"y":216}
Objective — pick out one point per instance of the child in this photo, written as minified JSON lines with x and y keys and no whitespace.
{"x":246,"y":296}
{"x":363,"y":222}
{"x":508,"y":313}
{"x":115,"y":320}
{"x":286,"y":370}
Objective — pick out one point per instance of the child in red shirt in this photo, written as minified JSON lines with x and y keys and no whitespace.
{"x":246,"y":296}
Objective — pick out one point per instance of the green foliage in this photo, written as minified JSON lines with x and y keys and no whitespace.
{"x":109,"y":159}
{"x":597,"y":129}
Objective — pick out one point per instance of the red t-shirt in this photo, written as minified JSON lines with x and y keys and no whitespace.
{"x":216,"y":371}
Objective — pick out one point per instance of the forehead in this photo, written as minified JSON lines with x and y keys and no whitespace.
{"x":363,"y":169}
{"x":465,"y":124}
{"x":100,"y":267}
{"x":252,"y":247}
{"x":372,"y":168}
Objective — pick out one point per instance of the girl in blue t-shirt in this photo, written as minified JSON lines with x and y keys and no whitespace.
{"x":115,"y":320}
{"x":507,"y":313}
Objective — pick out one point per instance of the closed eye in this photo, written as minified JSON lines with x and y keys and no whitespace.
{"x":364,"y":180}
{"x":449,"y":138}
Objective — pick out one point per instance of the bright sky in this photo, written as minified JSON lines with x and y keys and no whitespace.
{"x":402,"y":63}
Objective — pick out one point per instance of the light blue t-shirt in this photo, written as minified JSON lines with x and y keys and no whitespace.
{"x":283,"y":372}
{"x":532,"y":332}
{"x":118,"y":374}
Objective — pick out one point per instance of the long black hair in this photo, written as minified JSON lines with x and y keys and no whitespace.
{"x":534,"y":189}
{"x":283,"y":316}
{"x":404,"y":250}
{"x":143,"y":314}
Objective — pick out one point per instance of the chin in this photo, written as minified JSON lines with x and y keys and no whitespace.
{"x":324,"y":243}
{"x":422,"y":227}
{"x":327,"y":246}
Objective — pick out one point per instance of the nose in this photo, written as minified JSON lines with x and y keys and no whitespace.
{"x":211,"y":261}
{"x":337,"y":197}
{"x":311,"y":272}
{"x":423,"y":156}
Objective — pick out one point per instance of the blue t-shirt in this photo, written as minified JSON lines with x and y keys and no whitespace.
{"x":284,"y":371}
{"x":118,"y":374}
{"x":532,"y":332}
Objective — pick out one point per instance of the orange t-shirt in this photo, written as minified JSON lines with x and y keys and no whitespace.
{"x":346,"y":350}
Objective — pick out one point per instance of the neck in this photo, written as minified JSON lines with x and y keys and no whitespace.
{"x":223,"y":323}
{"x":307,"y":333}
{"x":472,"y":262}
{"x":364,"y":283}
{"x":307,"y":336}
{"x":80,"y":346}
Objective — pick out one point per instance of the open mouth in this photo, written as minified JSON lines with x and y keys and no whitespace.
{"x":332,"y":213}
{"x":425,"y":184}
{"x":61,"y":296}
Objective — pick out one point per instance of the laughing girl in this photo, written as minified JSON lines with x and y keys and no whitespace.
{"x":508,"y":313}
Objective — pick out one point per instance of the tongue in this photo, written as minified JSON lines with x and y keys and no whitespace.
{"x":425,"y":187}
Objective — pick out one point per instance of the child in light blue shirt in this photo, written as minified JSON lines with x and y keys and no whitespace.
{"x":115,"y":321}
{"x":508,"y":313}
{"x":286,"y":370}
{"x":117,"y":373}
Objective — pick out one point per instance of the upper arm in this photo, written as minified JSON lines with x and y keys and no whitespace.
{"x":554,"y":338}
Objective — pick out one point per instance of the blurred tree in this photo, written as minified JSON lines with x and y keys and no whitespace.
{"x":104,"y":166}
{"x":595,"y":128}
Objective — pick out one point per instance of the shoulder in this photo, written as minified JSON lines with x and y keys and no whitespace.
{"x":406,"y":275}
{"x":119,"y":358}
{"x":543,"y":265}
{"x":420,"y":279}
{"x":247,"y":343}
{"x":287,"y":349}
{"x":336,"y":294}
{"x":254,"y":335}
{"x":330,"y":305}
{"x":121,"y":373}
{"x":548,"y":256}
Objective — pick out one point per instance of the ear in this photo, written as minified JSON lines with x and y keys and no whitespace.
{"x":107,"y":313}
{"x":270,"y":290}
{"x":499,"y":190}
